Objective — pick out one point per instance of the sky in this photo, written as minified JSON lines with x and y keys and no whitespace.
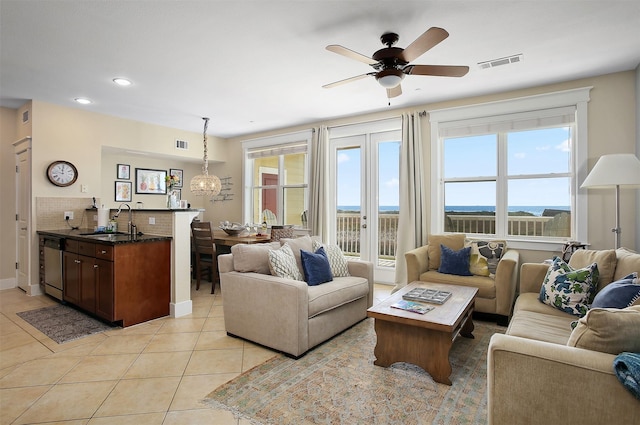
{"x":528,"y":153}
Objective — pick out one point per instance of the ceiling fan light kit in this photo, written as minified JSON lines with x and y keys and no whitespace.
{"x":391,"y":64}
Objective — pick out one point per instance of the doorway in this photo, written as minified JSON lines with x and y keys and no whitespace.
{"x":366,"y":198}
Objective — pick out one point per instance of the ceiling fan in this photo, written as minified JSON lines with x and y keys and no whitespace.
{"x":391,"y":64}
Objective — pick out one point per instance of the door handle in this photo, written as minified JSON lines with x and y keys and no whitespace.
{"x":364,"y":226}
{"x":364,"y":217}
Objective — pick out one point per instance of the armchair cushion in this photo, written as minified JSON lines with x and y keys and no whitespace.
{"x":454,"y":262}
{"x":568,"y":289}
{"x":453,"y":241}
{"x":316,"y":267}
{"x":253,"y":257}
{"x":283,"y":264}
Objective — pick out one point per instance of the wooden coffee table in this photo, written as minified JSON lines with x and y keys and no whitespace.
{"x":423,"y":339}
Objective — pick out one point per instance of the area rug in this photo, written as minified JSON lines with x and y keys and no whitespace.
{"x":62,"y":323}
{"x":337,"y":383}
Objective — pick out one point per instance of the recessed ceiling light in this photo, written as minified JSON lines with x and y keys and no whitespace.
{"x":122,"y":81}
{"x":83,"y":100}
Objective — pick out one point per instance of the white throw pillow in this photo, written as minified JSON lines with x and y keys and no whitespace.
{"x":283,"y":264}
{"x":337,"y":260}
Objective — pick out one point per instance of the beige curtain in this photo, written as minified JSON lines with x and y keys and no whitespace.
{"x":318,"y":207}
{"x":412,"y":222}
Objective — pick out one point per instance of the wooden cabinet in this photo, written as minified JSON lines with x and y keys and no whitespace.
{"x":128,"y":283}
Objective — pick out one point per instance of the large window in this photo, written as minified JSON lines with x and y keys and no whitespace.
{"x":277,"y":181}
{"x":510,"y":175}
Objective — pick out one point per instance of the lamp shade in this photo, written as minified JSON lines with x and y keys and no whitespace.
{"x":614,"y":170}
{"x":390,"y":78}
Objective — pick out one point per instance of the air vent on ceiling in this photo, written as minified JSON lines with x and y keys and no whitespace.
{"x":501,"y":61}
{"x":182,"y":144}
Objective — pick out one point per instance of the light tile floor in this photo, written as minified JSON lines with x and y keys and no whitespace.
{"x":153,"y":373}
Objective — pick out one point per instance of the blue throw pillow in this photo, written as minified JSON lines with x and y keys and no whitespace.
{"x":316,"y":267}
{"x":454,"y":262}
{"x":619,"y":294}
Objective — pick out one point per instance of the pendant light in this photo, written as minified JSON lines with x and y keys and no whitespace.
{"x":204,"y":184}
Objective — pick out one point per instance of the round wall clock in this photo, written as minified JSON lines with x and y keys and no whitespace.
{"x":62,"y":173}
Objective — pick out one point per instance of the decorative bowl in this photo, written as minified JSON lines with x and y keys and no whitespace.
{"x":233,"y":231}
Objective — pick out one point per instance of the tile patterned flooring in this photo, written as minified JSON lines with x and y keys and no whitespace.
{"x":153,"y":373}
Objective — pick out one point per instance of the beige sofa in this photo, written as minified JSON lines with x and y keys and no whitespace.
{"x":535,"y":377}
{"x":284,"y":314}
{"x":495,"y":293}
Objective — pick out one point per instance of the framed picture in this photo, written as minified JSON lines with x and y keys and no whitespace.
{"x":178,"y":173}
{"x":124,"y":171}
{"x":151,"y":182}
{"x":123,"y":191}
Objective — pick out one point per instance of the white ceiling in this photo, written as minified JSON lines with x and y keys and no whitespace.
{"x":259,"y":65}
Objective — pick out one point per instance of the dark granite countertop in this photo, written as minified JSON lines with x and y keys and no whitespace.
{"x":103,"y":238}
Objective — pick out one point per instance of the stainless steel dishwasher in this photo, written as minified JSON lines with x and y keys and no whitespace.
{"x":53,"y":279}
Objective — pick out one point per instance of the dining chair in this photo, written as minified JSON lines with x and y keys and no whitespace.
{"x":205,"y":251}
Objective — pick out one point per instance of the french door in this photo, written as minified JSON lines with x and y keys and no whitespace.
{"x":365,"y":202}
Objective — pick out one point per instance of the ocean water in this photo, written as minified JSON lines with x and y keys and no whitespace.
{"x":533,"y":209}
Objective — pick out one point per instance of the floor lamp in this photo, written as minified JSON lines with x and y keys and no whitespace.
{"x":614,"y":171}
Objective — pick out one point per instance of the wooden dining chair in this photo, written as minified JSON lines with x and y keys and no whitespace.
{"x":205,"y":252}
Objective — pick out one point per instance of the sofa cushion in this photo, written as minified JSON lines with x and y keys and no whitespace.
{"x":569,"y":289}
{"x":283,"y":264}
{"x":337,"y":260}
{"x":486,"y":285}
{"x":609,"y":330}
{"x":454,"y":241}
{"x":628,"y":261}
{"x":485,"y":256}
{"x":253,"y":257}
{"x":606,"y":260}
{"x":454,"y":261}
{"x":541,"y":326}
{"x":340,"y":291}
{"x":296,"y":244}
{"x":316,"y":267}
{"x":619,"y":294}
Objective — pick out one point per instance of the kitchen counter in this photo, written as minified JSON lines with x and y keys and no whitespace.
{"x":102,"y":238}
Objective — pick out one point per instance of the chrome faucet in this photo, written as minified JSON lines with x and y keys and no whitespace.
{"x":130,"y":224}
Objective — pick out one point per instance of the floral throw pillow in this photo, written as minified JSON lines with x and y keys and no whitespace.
{"x":567,"y":289}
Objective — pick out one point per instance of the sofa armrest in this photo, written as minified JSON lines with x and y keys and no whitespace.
{"x":363,"y":269}
{"x":536,"y":382}
{"x":266,"y":309}
{"x":531,"y":276}
{"x":417,"y":262}
{"x":225,"y":263}
{"x":506,"y":281}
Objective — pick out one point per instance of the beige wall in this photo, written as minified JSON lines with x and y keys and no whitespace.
{"x":78,"y":135}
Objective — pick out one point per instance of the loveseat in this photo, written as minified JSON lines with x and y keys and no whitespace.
{"x":285,"y":314}
{"x":543,"y":372}
{"x":496,"y":290}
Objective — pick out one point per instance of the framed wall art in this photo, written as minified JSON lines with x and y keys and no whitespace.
{"x":151,"y":182}
{"x":177,"y":173}
{"x":124,"y":171}
{"x":123,"y":191}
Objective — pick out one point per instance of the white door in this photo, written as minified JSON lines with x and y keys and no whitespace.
{"x":23,"y":216}
{"x":366,"y":199}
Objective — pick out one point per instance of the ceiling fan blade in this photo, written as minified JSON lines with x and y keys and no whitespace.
{"x":426,"y":41}
{"x":437,"y":70}
{"x":347,"y":80}
{"x":394,"y":92}
{"x":335,"y":48}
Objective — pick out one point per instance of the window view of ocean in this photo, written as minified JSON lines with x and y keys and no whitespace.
{"x":532,"y":209}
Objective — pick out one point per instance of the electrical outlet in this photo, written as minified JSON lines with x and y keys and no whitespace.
{"x":68,"y":215}
{"x":152,"y":220}
{"x":84,"y":188}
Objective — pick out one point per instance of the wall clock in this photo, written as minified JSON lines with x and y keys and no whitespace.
{"x":62,"y":173}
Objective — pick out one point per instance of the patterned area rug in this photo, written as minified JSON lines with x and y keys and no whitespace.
{"x":62,"y":323}
{"x":337,"y":383}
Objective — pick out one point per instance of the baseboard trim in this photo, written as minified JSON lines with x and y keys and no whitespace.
{"x":181,"y":309}
{"x":8,"y":283}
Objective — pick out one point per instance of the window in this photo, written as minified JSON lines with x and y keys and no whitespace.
{"x":276,"y":172}
{"x":511,"y":175}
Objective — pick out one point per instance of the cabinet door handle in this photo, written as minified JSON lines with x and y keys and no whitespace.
{"x":77,"y":261}
{"x":103,"y":252}
{"x":95,"y":266}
